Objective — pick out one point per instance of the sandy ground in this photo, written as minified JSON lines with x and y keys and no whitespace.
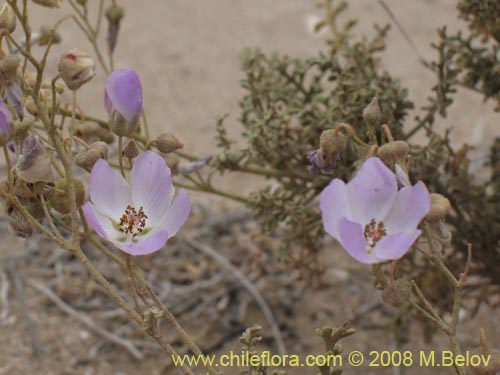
{"x":186,"y":52}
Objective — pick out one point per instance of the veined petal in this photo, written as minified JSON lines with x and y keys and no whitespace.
{"x":98,"y":222}
{"x":334,"y":204}
{"x":411,"y":205}
{"x":394,"y":246}
{"x":372,"y":191}
{"x":152,"y":186}
{"x":177,"y":215}
{"x":124,"y":91}
{"x":148,"y":245}
{"x":109,"y":192}
{"x":353,"y":241}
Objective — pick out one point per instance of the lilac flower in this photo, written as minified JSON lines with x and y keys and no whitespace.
{"x":371,"y":219}
{"x":123,"y":101}
{"x":138,"y":218}
{"x":5,"y":123}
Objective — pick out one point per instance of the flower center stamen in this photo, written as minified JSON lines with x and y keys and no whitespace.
{"x":374,"y":231}
{"x":132,"y":221}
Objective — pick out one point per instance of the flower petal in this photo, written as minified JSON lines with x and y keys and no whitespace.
{"x":101,"y":224}
{"x":152,"y":186}
{"x":109,"y":192}
{"x":353,"y":240}
{"x":148,"y":245}
{"x":177,"y":215}
{"x":372,"y":191}
{"x":411,"y":205}
{"x":334,"y":204}
{"x":124,"y":91}
{"x":394,"y":246}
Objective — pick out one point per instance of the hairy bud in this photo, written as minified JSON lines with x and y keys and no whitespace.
{"x":7,"y":18}
{"x":398,"y":294}
{"x":91,"y":132}
{"x":371,"y":114}
{"x":440,"y":206}
{"x":76,"y":68}
{"x":49,"y":3}
{"x":167,"y":142}
{"x":87,"y":158}
{"x":114,"y":15}
{"x":18,"y":224}
{"x":61,"y":202}
{"x":47,"y":32}
{"x":131,"y":150}
{"x":8,"y":69}
{"x":394,"y":152}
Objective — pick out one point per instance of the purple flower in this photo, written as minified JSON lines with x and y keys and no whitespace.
{"x":123,"y":101}
{"x":5,"y":123}
{"x":138,"y":218}
{"x":371,"y":219}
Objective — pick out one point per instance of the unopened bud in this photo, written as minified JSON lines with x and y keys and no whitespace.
{"x":7,"y":18}
{"x":114,"y":14}
{"x":131,"y":150}
{"x":23,"y":189}
{"x":392,"y":152}
{"x":49,"y":3}
{"x":82,"y":2}
{"x":87,"y":158}
{"x":167,"y":142}
{"x":8,"y":69}
{"x":371,"y":114}
{"x":61,"y":201}
{"x":440,"y":206}
{"x":90,"y":132}
{"x":45,"y":35}
{"x":398,"y":294}
{"x":76,"y":68}
{"x":172,"y":162}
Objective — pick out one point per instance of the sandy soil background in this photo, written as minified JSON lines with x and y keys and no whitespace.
{"x":186,"y":52}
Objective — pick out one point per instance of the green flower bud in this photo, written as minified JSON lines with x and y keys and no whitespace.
{"x":45,"y":34}
{"x":131,"y":150}
{"x":8,"y":69}
{"x":393,"y":152}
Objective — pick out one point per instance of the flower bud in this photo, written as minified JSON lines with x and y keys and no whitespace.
{"x":123,"y":101}
{"x":131,"y":150}
{"x":47,"y":32}
{"x":61,"y":201}
{"x":114,"y":14}
{"x":7,"y":18}
{"x":49,"y":3}
{"x":23,"y":189}
{"x":87,"y":158}
{"x":393,"y":152}
{"x":8,"y":69}
{"x":33,"y":164}
{"x":398,"y":294}
{"x":76,"y":68}
{"x":371,"y":114}
{"x":167,"y":142}
{"x":331,"y":146}
{"x":5,"y":124}
{"x":440,"y":206}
